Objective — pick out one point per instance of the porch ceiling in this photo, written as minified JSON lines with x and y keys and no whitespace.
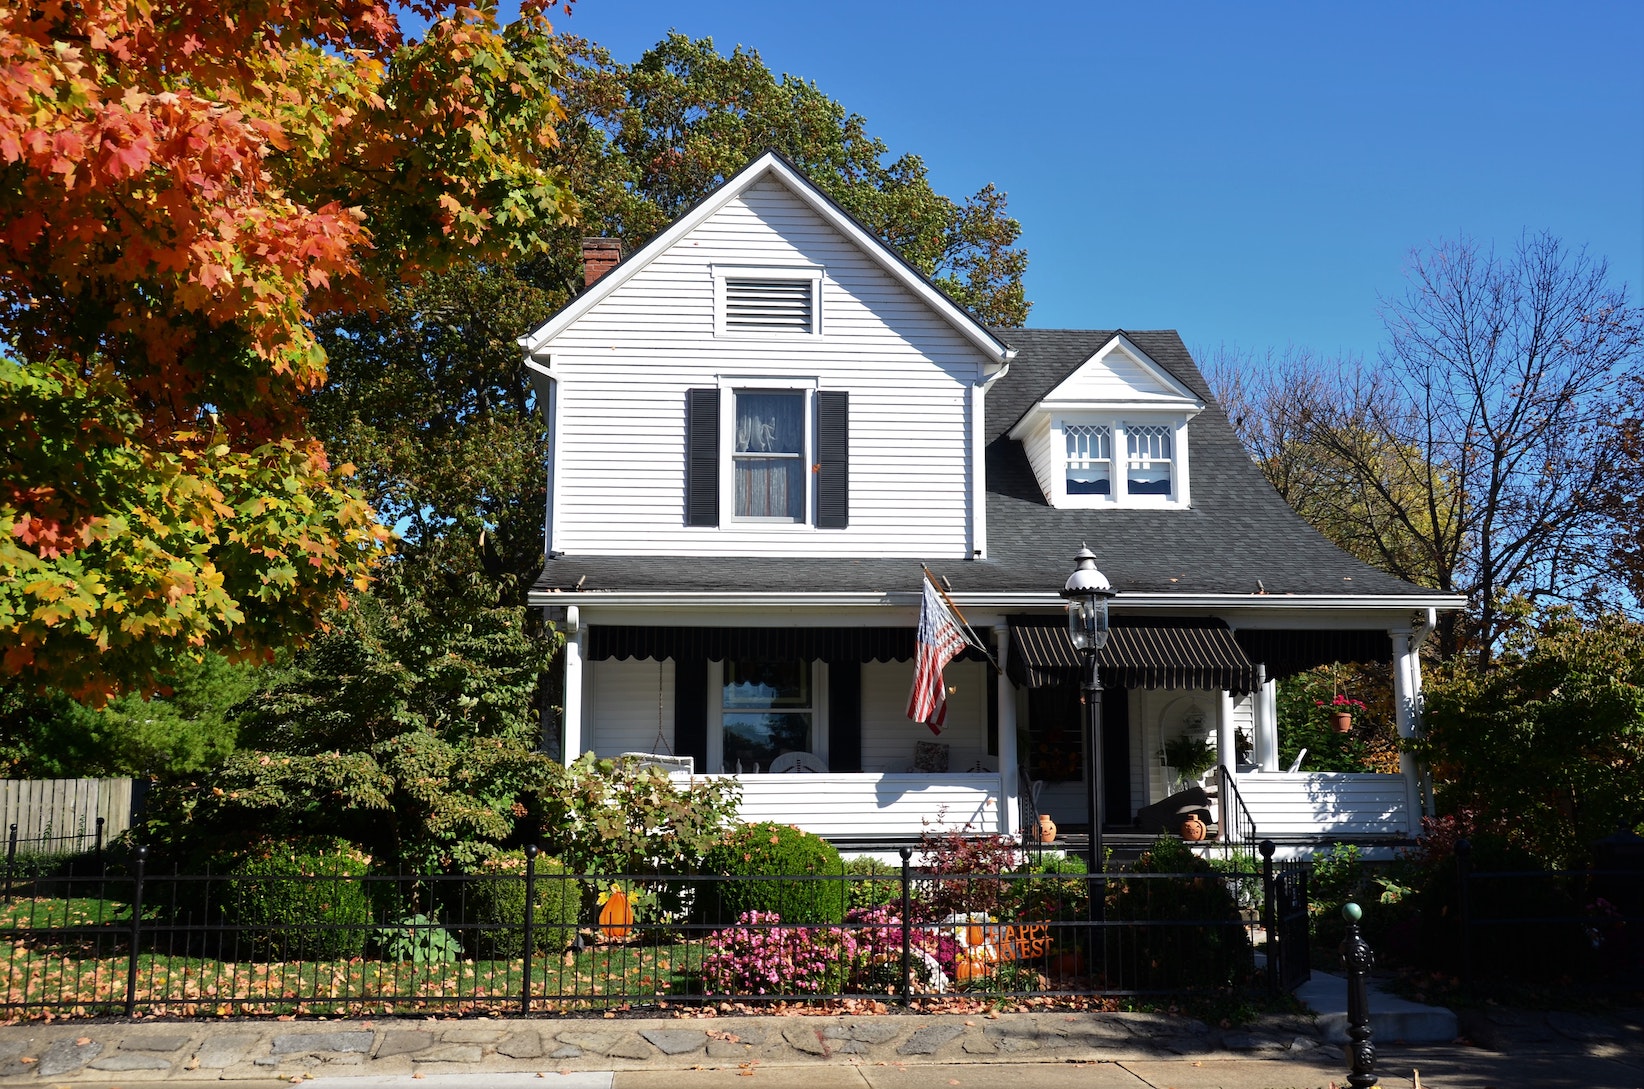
{"x":1186,"y":653}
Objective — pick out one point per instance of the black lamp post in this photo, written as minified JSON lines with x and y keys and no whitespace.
{"x":1087,"y":592}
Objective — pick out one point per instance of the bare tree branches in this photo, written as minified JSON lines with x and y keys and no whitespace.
{"x":1477,"y":456}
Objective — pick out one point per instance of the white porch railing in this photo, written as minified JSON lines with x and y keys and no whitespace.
{"x":875,"y":804}
{"x":1313,"y":803}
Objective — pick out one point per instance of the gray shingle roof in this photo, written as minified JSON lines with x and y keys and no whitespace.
{"x":1239,"y":533}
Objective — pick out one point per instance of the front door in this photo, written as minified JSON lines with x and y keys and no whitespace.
{"x":1054,"y":753}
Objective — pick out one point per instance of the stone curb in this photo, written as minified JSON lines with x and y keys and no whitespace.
{"x":251,"y":1050}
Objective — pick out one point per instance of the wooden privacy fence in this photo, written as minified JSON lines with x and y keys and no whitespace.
{"x":56,"y":813}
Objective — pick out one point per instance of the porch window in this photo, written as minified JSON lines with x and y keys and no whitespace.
{"x":769,"y":708}
{"x":768,"y":463}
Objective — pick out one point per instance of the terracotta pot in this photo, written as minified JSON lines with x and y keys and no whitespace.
{"x":1342,"y":721}
{"x":1193,"y":829}
{"x":1047,"y":828}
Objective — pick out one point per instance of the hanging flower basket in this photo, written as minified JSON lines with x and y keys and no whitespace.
{"x":1341,"y":710}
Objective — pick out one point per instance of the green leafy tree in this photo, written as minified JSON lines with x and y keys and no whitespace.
{"x":1546,"y":745}
{"x":182,"y":729}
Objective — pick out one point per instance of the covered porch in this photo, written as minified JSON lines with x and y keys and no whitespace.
{"x":871,"y":775}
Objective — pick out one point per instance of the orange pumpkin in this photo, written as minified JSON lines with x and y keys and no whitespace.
{"x":616,"y":918}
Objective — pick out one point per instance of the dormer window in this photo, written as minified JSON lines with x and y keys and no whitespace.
{"x":1112,"y":433}
{"x":1089,"y":459}
{"x":1147,"y":464}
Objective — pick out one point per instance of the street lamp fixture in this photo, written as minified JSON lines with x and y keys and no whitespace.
{"x":1087,"y":593}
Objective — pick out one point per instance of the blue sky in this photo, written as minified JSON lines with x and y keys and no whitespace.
{"x":1252,"y":174}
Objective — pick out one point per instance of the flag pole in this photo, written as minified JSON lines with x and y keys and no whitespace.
{"x":974,"y":639}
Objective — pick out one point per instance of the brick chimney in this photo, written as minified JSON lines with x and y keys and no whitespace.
{"x":599,"y":256}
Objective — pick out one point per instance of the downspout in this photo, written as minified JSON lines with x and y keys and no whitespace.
{"x":978,"y":464}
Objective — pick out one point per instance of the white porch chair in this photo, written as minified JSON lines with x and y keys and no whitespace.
{"x":798,"y":762}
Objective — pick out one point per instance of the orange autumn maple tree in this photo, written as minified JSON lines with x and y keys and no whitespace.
{"x":184,"y":186}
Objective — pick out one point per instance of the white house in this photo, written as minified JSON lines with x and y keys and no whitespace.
{"x":763,"y":423}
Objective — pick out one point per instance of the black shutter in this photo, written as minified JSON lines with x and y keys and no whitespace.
{"x":702,"y":457}
{"x":844,"y":716}
{"x":833,"y":505}
{"x":691,"y":711}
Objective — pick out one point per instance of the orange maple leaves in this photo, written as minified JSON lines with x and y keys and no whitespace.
{"x":195,"y":180}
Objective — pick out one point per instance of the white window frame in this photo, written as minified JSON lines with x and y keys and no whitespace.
{"x":1118,"y":423}
{"x":813,"y":274}
{"x":729,"y":387}
{"x":716,"y":715}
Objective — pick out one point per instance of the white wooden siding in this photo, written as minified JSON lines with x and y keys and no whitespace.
{"x":624,"y":697}
{"x":1327,"y":803}
{"x":624,"y":367}
{"x":888,"y":735}
{"x":1046,"y":458}
{"x":873,"y":805}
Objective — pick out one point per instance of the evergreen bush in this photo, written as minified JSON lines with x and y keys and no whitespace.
{"x":300,"y":899}
{"x":493,"y":907}
{"x":1187,"y":931}
{"x":776,"y":869}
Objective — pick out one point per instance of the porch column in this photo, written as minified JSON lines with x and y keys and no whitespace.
{"x":1010,"y":777}
{"x":1227,"y":746}
{"x":1406,"y":693}
{"x":574,"y":647}
{"x":1266,"y":754}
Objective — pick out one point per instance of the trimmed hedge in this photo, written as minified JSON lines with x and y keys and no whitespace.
{"x":762,"y":855}
{"x":301,"y":899}
{"x":493,"y":911}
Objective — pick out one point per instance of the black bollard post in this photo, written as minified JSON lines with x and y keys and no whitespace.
{"x":1355,"y":951}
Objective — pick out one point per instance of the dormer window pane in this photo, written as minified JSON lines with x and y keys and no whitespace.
{"x":1149,"y":463}
{"x":768,"y":460}
{"x":1089,"y":459}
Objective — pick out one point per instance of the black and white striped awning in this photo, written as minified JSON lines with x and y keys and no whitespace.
{"x":1140,"y":653}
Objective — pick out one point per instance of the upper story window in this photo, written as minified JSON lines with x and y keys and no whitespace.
{"x":1089,"y":459}
{"x":767,"y":302}
{"x":768,"y":457}
{"x":775,"y":452}
{"x":1148,"y":460}
{"x":1088,"y":469}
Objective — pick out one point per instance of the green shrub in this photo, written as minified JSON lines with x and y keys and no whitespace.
{"x":493,"y":907}
{"x":301,"y":899}
{"x":762,"y":855}
{"x":1054,"y":891}
{"x":882,"y":884}
{"x":1188,"y":931}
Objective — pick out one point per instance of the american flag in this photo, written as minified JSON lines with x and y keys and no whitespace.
{"x":940,"y":641}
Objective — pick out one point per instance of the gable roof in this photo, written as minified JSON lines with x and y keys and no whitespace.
{"x":773,"y":165}
{"x":1168,"y":392}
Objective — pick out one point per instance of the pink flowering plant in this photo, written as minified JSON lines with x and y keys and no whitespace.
{"x":1343,"y":705}
{"x":759,"y":956}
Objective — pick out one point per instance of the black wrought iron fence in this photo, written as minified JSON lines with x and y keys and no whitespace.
{"x":1583,"y":927}
{"x":539,"y":939}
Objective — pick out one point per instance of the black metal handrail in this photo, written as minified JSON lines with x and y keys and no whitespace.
{"x":1241,"y":828}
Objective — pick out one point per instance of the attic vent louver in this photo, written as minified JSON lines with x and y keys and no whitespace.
{"x":769,"y":306}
